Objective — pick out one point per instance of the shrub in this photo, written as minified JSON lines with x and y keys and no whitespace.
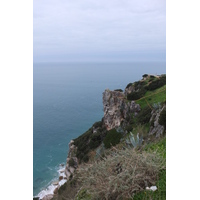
{"x":121,"y":174}
{"x":145,"y":75}
{"x":71,"y":162}
{"x":112,"y":138}
{"x":144,"y":116}
{"x":162,"y":118}
{"x":129,"y":128}
{"x":136,"y":95}
{"x":156,"y":83}
{"x":83,"y":194}
{"x":134,"y":141}
{"x":62,"y":188}
{"x":89,"y":141}
{"x":119,"y":90}
{"x":97,"y":124}
{"x":86,"y":158}
{"x":129,"y":85}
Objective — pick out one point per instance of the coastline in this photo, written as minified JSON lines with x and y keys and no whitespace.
{"x":55,"y":184}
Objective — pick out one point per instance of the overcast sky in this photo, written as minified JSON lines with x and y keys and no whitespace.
{"x":106,"y":30}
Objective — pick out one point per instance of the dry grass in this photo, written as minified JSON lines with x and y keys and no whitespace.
{"x":121,"y":174}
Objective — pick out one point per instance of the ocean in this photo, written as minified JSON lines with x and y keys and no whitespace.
{"x":67,"y":100}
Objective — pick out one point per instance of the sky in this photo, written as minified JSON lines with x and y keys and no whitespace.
{"x":86,"y":30}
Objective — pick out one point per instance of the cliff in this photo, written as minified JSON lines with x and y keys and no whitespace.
{"x":117,"y":109}
{"x":136,"y":117}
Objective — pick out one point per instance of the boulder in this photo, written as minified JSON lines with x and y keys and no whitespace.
{"x":117,"y":109}
{"x":55,"y":183}
{"x":55,"y":191}
{"x":48,"y":197}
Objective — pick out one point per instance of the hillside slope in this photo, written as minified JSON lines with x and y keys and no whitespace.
{"x":119,"y":156}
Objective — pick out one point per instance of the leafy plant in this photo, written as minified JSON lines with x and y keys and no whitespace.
{"x":119,"y":90}
{"x":145,"y":75}
{"x":131,"y":140}
{"x":144,"y":116}
{"x":71,"y":162}
{"x":112,"y":138}
{"x":129,"y":85}
{"x":156,"y":106}
{"x":136,"y":95}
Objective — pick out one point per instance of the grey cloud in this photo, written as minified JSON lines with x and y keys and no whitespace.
{"x":67,"y":27}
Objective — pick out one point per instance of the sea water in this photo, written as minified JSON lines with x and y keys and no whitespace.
{"x":67,"y":100}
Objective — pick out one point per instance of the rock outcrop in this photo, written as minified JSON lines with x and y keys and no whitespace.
{"x":156,"y":129}
{"x":72,"y":161}
{"x":48,"y":197}
{"x":117,"y":108}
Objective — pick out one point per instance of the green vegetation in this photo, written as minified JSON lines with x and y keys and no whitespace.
{"x":145,"y":75}
{"x":156,"y":83}
{"x":71,"y":162}
{"x":122,"y":174}
{"x":136,"y":95}
{"x":141,"y":88}
{"x":160,"y":148}
{"x":119,"y":90}
{"x":93,"y":140}
{"x":144,"y":115}
{"x":112,"y":138}
{"x":134,"y":162}
{"x":129,"y":85}
{"x":155,"y":96}
{"x":83,"y":195}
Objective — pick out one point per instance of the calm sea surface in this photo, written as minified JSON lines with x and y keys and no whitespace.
{"x":67,"y":100}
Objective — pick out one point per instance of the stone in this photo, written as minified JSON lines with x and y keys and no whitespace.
{"x":153,"y":188}
{"x":48,"y":197}
{"x":156,"y":129}
{"x":55,"y":183}
{"x":55,"y":191}
{"x":116,"y":108}
{"x":60,"y":178}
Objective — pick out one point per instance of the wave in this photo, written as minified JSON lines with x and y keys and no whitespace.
{"x":54,"y":183}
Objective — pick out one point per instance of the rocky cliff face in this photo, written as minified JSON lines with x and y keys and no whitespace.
{"x":117,"y":108}
{"x":156,"y":129}
{"x":72,"y":161}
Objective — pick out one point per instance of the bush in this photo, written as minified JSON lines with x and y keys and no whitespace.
{"x":71,"y":162}
{"x":89,"y":141}
{"x":112,"y":138}
{"x":136,"y":95}
{"x":162,"y":118}
{"x":98,"y":124}
{"x":121,"y":174}
{"x":62,"y":188}
{"x":144,"y":116}
{"x":86,"y":158}
{"x":119,"y":90}
{"x":129,"y":85}
{"x":157,"y":83}
{"x":129,"y":128}
{"x":145,"y":75}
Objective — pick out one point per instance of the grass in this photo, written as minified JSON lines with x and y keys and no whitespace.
{"x":121,"y":174}
{"x":155,"y":96}
{"x":160,"y":193}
